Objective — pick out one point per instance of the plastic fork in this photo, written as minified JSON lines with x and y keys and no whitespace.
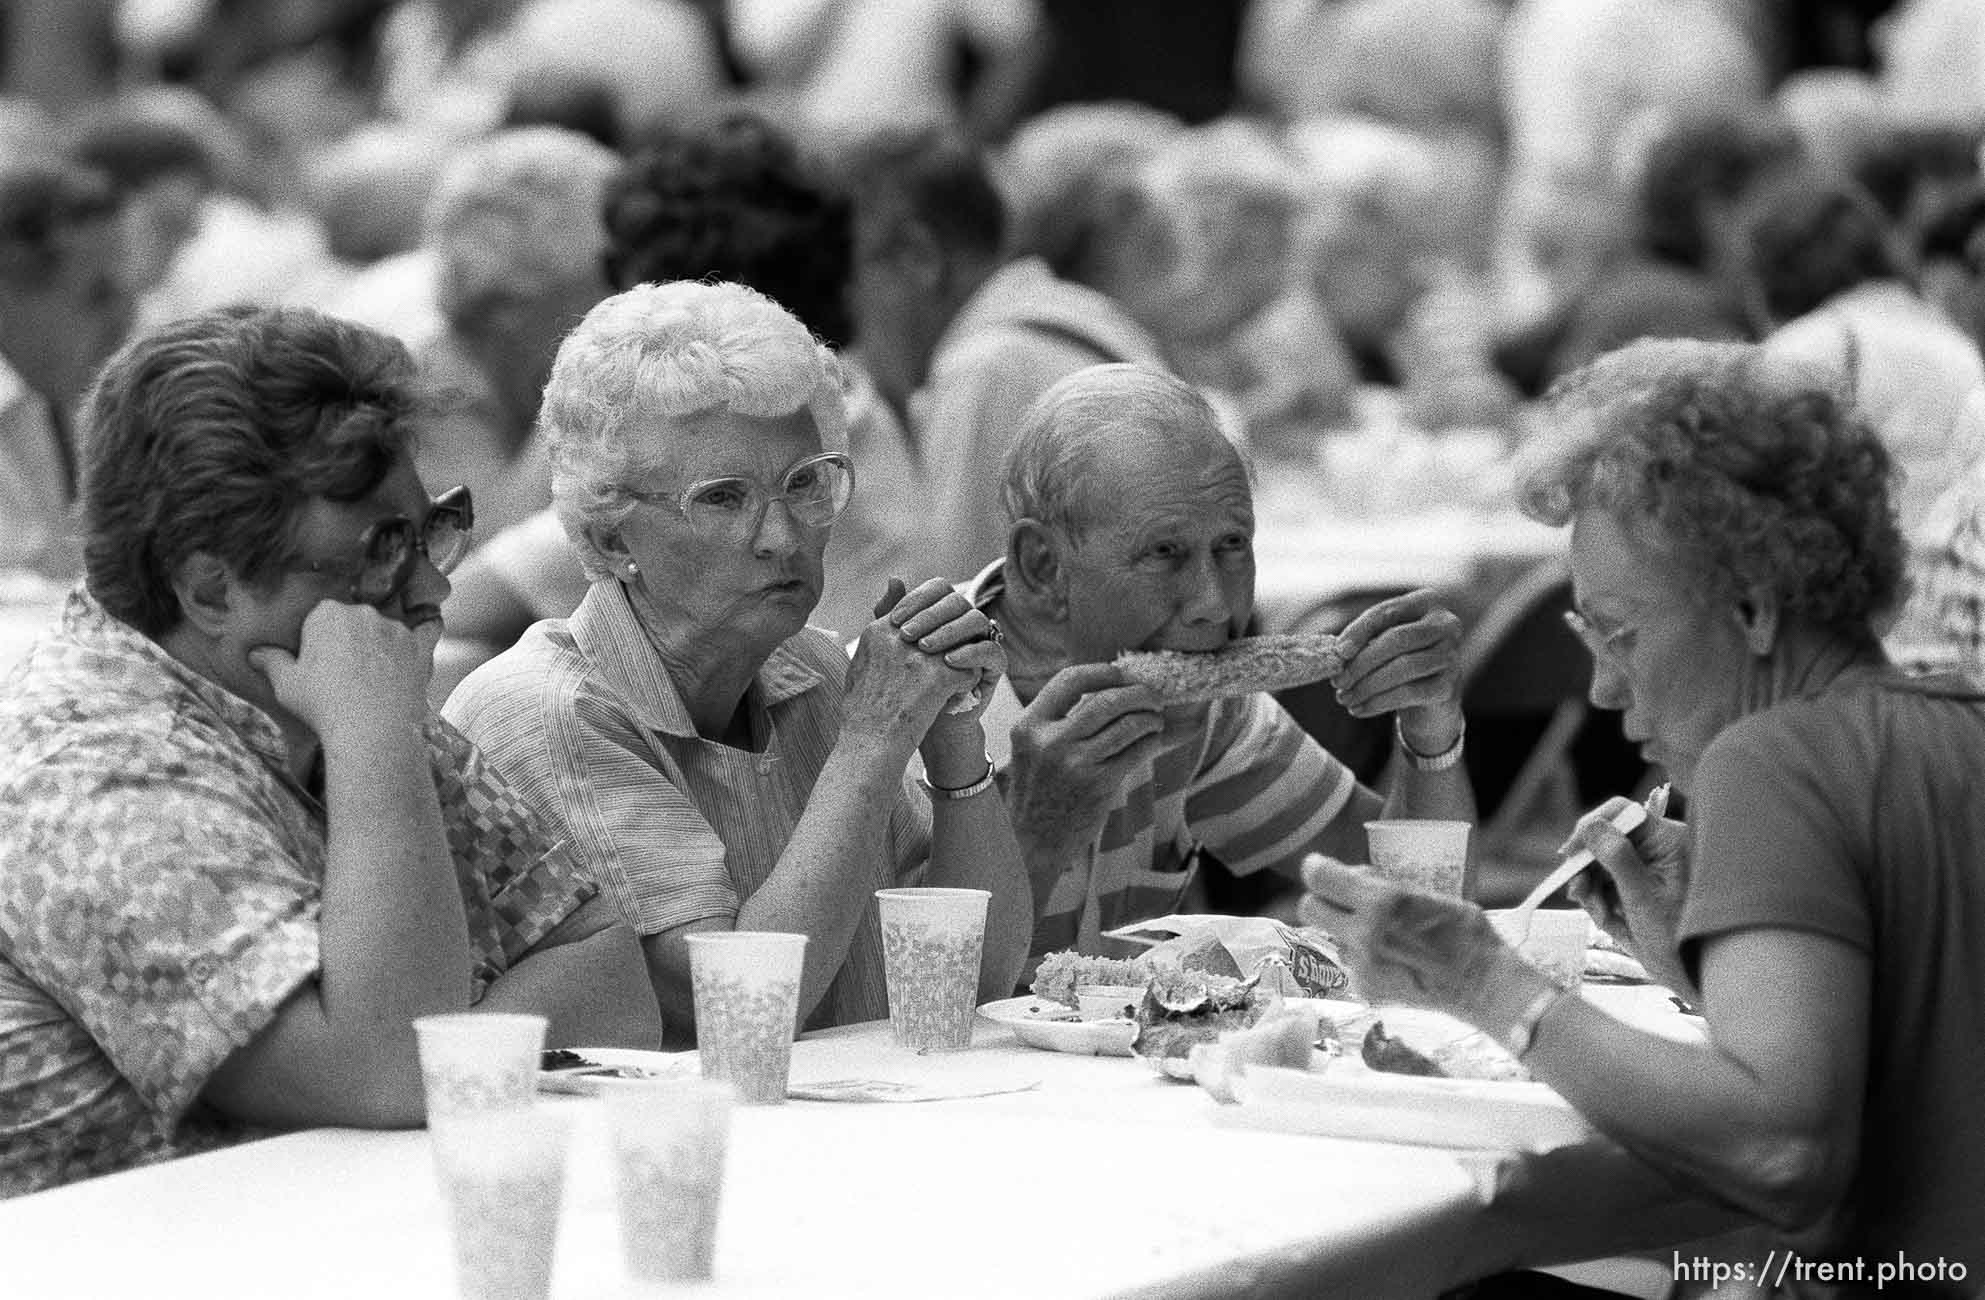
{"x":1514,"y":924}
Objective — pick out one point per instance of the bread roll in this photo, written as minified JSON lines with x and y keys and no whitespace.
{"x":1261,"y":663}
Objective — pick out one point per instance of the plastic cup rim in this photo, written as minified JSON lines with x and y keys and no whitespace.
{"x":448,"y":1021}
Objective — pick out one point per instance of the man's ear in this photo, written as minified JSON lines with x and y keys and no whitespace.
{"x":1035,"y":573}
{"x":1757,"y":617}
{"x":205,"y":588}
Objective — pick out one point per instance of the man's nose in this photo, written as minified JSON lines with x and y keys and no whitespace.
{"x":1202,"y":596}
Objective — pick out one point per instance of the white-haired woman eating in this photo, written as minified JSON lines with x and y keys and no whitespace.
{"x":715,"y":763}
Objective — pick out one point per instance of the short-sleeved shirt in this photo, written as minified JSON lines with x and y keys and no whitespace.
{"x":161,"y":875}
{"x":1248,"y":785}
{"x":582,"y":716}
{"x":1856,"y":814}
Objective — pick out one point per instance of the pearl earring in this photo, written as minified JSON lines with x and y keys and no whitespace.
{"x":633,"y":569}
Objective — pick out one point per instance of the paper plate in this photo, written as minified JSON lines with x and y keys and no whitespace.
{"x":1035,"y":1022}
{"x":607,"y":1065}
{"x":1348,"y":1101}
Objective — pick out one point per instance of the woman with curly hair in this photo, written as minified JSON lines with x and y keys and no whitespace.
{"x":1733,"y":551}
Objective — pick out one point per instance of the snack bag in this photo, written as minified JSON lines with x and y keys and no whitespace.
{"x":1297,"y":963}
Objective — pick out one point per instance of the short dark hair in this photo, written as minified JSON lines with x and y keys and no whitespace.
{"x":1901,"y":162}
{"x":1701,"y":159}
{"x":211,"y":434}
{"x":42,"y":199}
{"x":938,"y":177}
{"x":733,"y":200}
{"x":1806,"y":236}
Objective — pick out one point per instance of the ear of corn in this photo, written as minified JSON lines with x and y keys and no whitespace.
{"x":1262,"y":663}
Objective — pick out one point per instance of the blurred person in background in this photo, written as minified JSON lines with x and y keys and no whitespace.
{"x":455,"y":66}
{"x":369,"y":192}
{"x":65,"y":305}
{"x":1204,"y":261}
{"x":1584,"y":81}
{"x":833,"y":71}
{"x":958,"y":340}
{"x":238,"y":852}
{"x":1431,"y":67}
{"x":1692,"y":169}
{"x":1826,"y":274}
{"x":732,"y":201}
{"x":515,"y":232}
{"x":714,"y":762}
{"x":1395,"y":247}
{"x":202,"y":240}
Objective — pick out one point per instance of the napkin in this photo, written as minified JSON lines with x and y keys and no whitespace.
{"x":903,"y":1089}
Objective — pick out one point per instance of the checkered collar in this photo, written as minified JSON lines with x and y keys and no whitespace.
{"x":92,"y":635}
{"x":609,"y":633}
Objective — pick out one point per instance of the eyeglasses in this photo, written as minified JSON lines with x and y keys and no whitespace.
{"x":387,"y":549}
{"x":1614,"y":645}
{"x":814,"y":492}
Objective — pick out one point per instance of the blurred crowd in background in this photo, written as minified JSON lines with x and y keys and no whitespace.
{"x":1326,"y":212}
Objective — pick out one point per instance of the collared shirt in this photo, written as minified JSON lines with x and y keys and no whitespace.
{"x":582,"y":715}
{"x":161,"y":875}
{"x":1247,"y":784}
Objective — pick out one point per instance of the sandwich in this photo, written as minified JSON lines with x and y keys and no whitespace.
{"x":1184,"y":1008}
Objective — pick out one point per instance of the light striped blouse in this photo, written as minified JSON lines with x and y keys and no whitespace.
{"x":582,"y":717}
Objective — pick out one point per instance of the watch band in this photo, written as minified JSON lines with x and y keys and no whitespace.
{"x":1523,"y":1033}
{"x":1440,"y":762}
{"x":979,"y":786}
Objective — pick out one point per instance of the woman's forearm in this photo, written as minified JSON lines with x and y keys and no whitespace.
{"x":972,"y":847}
{"x":837,"y":857}
{"x":593,"y":990}
{"x":393,"y":936}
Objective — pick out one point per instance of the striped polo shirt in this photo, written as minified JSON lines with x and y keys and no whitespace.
{"x":582,"y":717}
{"x":1240,"y":779}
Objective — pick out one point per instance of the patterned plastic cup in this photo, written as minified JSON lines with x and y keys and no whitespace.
{"x":669,"y":1138}
{"x":931,"y":943}
{"x":747,"y":989}
{"x":502,"y":1174}
{"x":1556,"y":943}
{"x":474,"y":1061}
{"x":1430,"y":855}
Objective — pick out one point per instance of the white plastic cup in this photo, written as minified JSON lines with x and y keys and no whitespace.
{"x":472,"y":1062}
{"x":1429,"y":855}
{"x":1556,"y":943}
{"x":502,"y":1174}
{"x":669,"y":1138}
{"x":747,"y":989}
{"x":932,"y":940}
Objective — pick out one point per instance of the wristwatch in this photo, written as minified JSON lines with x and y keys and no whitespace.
{"x":1440,"y":762}
{"x":979,"y":786}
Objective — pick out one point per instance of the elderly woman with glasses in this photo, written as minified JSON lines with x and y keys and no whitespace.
{"x":715,"y":762}
{"x":1734,"y":549}
{"x":238,"y":853}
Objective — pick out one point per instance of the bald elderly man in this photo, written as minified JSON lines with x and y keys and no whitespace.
{"x":1131,"y":528}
